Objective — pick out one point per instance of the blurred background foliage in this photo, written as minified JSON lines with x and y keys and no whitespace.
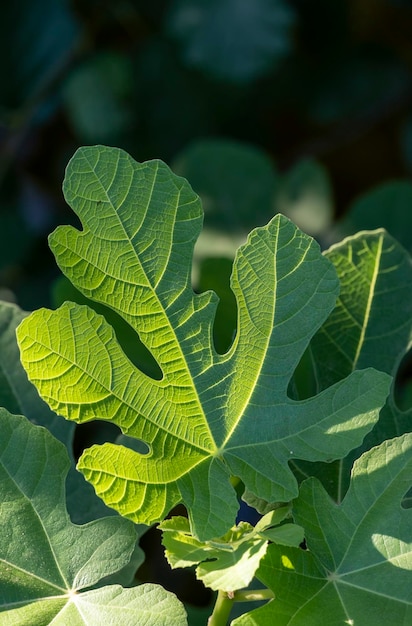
{"x":264,"y":105}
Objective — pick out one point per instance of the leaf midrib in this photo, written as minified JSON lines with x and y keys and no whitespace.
{"x":177,"y":343}
{"x":31,"y":575}
{"x":368,"y":309}
{"x":367,"y":512}
{"x":46,"y":533}
{"x":233,"y":350}
{"x":346,"y":583}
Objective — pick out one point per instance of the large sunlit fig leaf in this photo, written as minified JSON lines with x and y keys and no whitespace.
{"x":51,"y":570}
{"x":371,"y":326}
{"x":358,"y":566}
{"x":18,"y":395}
{"x":211,"y":415}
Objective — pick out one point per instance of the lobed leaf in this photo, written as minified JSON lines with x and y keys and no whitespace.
{"x":48,"y":565}
{"x":358,"y":566}
{"x":368,"y":328}
{"x":211,"y":415}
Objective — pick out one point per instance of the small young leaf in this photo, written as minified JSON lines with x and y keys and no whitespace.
{"x":47,"y":564}
{"x":358,"y":566}
{"x":286,"y":535}
{"x":228,"y":566}
{"x":211,"y":415}
{"x":228,"y":563}
{"x":367,"y":328}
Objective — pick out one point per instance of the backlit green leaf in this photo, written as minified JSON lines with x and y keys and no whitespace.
{"x":219,"y":568}
{"x":358,"y":566}
{"x":211,"y":415}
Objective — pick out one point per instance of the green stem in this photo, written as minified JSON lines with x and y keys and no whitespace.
{"x":224,"y":603}
{"x":221,"y":610}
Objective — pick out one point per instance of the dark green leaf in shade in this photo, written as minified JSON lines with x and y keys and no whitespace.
{"x":358,"y":565}
{"x":52,"y":571}
{"x":352,"y":83}
{"x":95,"y":98}
{"x":18,"y":395}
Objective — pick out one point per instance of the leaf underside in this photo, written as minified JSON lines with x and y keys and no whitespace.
{"x":211,"y":415}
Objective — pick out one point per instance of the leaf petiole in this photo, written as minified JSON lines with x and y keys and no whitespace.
{"x":225,"y":600}
{"x":222,"y":608}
